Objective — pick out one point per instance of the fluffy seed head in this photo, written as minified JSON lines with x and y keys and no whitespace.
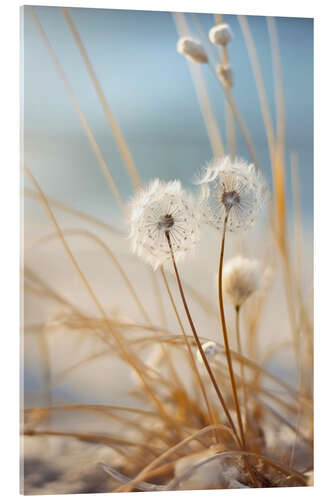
{"x":241,"y":279}
{"x":220,"y":34}
{"x":162,"y":209}
{"x":210,"y":349}
{"x":233,"y":188}
{"x":192,"y":49}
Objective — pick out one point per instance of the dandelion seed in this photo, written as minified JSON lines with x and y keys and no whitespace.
{"x":220,"y":34}
{"x":231,"y":188}
{"x":240,"y":279}
{"x":161,"y":210}
{"x":210,"y":349}
{"x":192,"y":49}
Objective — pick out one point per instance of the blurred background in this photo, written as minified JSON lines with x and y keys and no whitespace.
{"x":148,"y":86}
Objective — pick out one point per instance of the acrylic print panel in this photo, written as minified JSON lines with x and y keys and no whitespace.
{"x":168,"y":230}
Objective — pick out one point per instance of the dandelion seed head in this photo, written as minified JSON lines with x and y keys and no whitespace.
{"x":210,"y":349}
{"x":192,"y":49}
{"x":160,"y":209}
{"x":220,"y":34}
{"x":241,"y":278}
{"x":231,"y":187}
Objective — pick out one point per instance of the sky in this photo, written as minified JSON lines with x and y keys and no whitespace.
{"x":151,"y":94}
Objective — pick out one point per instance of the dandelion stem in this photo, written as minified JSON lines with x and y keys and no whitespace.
{"x":208,"y":368}
{"x":225,"y":337}
{"x":188,"y":346}
{"x":240,"y":352}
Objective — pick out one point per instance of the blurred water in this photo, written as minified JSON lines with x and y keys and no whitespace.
{"x":149,"y":88}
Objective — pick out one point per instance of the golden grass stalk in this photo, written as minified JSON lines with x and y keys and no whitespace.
{"x":277,"y":162}
{"x":78,"y":109}
{"x":241,"y":125}
{"x":123,"y":349}
{"x":112,"y":256}
{"x":63,"y":207}
{"x":107,"y":411}
{"x":107,"y":440}
{"x":279,"y":93}
{"x":201,"y":91}
{"x":240,"y":350}
{"x":189,"y":351}
{"x":229,"y":117}
{"x":287,"y":471}
{"x":260,"y":86}
{"x":195,"y":335}
{"x":225,"y":337}
{"x":230,"y":100}
{"x":143,"y":474}
{"x":121,"y":143}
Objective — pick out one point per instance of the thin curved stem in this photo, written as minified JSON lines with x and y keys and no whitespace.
{"x":225,"y":337}
{"x":127,"y":355}
{"x":204,"y":359}
{"x":190,"y":353}
{"x":287,"y":471}
{"x":166,"y":454}
{"x":240,"y":352}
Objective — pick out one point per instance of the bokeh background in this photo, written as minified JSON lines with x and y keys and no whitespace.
{"x":148,"y":86}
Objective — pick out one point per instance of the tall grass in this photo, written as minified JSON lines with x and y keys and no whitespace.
{"x":187,"y":410}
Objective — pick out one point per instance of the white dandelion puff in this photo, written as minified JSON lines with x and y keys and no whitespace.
{"x":241,"y":278}
{"x":210,"y":349}
{"x":232,"y":189}
{"x":192,"y":49}
{"x":163,"y":210}
{"x":220,"y":34}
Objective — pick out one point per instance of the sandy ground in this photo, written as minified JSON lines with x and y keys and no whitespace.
{"x":56,"y":469}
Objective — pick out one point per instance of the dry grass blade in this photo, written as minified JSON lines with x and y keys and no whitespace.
{"x":96,"y":438}
{"x":78,"y":109}
{"x":76,"y":213}
{"x":260,"y":86}
{"x":189,"y":350}
{"x":122,"y":145}
{"x":129,"y":357}
{"x":202,"y":94}
{"x":110,"y":254}
{"x":288,"y":471}
{"x":170,"y":451}
{"x":279,"y":94}
{"x":142,"y":485}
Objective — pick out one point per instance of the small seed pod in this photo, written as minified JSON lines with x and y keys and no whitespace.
{"x":192,"y":49}
{"x":210,"y":349}
{"x":220,"y":34}
{"x":225,"y":74}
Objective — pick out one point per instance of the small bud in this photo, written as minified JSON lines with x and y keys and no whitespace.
{"x":192,"y":49}
{"x":210,"y":349}
{"x":241,"y":278}
{"x":225,"y":74}
{"x":220,"y":34}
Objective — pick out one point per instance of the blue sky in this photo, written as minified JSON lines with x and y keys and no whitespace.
{"x":149,"y":89}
